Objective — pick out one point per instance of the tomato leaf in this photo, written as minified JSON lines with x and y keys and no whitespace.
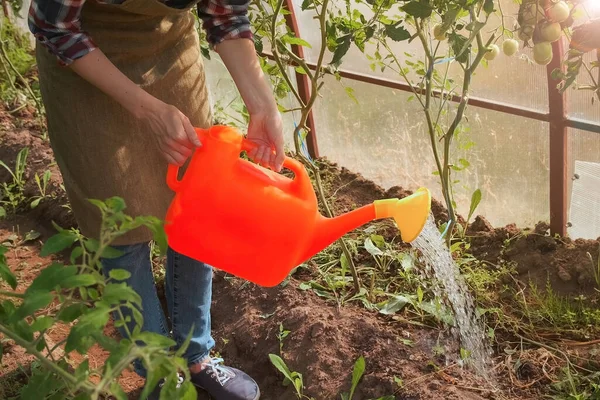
{"x":295,"y":40}
{"x":397,"y":32}
{"x":7,"y":275}
{"x":58,"y":243}
{"x":417,"y":9}
{"x":488,"y":7}
{"x":343,"y":45}
{"x":42,"y":323}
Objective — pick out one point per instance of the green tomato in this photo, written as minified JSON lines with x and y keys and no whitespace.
{"x":510,"y":47}
{"x":438,"y":33}
{"x":492,"y":52}
{"x":551,"y":32}
{"x":559,"y":12}
{"x":542,"y":53}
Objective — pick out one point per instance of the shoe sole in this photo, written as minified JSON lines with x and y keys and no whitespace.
{"x":255,"y":398}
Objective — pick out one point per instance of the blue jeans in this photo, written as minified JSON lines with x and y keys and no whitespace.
{"x":188,"y":289}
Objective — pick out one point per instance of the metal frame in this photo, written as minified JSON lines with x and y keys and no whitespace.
{"x":556,"y":117}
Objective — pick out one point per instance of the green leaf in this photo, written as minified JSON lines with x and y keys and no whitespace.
{"x":83,"y":370}
{"x":475,"y":200}
{"x":119,"y":274}
{"x":51,"y":277}
{"x":115,"y":293}
{"x":111,"y":252}
{"x":35,"y":202}
{"x":58,"y":243}
{"x":417,"y":9}
{"x":397,"y":32}
{"x":488,"y":6}
{"x":38,"y":387}
{"x":75,"y":254}
{"x":32,"y":303}
{"x":72,"y":312}
{"x":371,"y":248}
{"x":280,"y":365}
{"x":116,"y":204}
{"x":343,"y":45}
{"x":23,"y":329}
{"x":295,"y":41}
{"x":156,"y":340}
{"x":7,"y":275}
{"x":42,"y":323}
{"x":118,"y":391}
{"x":393,"y":305}
{"x":2,"y":212}
{"x":79,"y":280}
{"x":80,"y":338}
{"x":357,"y":373}
{"x":458,"y":42}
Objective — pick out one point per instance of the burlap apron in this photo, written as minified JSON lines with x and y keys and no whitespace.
{"x":101,"y":149}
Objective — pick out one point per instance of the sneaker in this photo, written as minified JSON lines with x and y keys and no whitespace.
{"x":225,"y":383}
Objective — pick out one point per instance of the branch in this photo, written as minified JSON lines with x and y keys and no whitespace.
{"x":87,"y":386}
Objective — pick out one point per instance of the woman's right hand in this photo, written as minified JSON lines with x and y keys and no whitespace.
{"x":175,"y":134}
{"x":173,"y":131}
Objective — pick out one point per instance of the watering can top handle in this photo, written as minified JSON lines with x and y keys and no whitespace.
{"x":295,"y":166}
{"x":301,"y":176}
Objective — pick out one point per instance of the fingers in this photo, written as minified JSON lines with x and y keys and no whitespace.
{"x":191,"y":132}
{"x":279,"y":156}
{"x":262,"y":156}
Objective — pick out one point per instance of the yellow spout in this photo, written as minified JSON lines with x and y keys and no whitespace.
{"x":410,"y":213}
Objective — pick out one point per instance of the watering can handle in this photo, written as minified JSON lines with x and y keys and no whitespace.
{"x":301,"y":176}
{"x":295,"y":166}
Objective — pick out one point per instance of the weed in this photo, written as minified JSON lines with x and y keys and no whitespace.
{"x":293,"y":377}
{"x":357,"y":373}
{"x":281,"y":337}
{"x":13,"y":193}
{"x":42,"y":184}
{"x":595,"y":268}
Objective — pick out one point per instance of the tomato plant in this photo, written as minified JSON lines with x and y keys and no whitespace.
{"x":78,"y":293}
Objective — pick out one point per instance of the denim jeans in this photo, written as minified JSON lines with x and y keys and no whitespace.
{"x":188,"y":290}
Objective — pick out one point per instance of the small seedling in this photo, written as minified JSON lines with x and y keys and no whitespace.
{"x":281,"y":336}
{"x":357,"y":373}
{"x":293,"y":377}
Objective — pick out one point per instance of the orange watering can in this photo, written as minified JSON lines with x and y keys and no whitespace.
{"x":257,"y":224}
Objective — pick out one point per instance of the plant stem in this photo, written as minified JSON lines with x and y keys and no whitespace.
{"x":87,"y":386}
{"x":11,"y":294}
{"x":306,"y":108}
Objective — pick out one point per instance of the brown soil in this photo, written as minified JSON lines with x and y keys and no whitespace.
{"x":324,"y":340}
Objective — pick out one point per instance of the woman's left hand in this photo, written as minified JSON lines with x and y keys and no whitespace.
{"x":266,"y":130}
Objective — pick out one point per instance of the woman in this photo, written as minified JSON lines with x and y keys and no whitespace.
{"x":123,"y":86}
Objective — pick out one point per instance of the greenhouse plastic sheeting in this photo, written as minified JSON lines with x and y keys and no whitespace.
{"x":585,"y":201}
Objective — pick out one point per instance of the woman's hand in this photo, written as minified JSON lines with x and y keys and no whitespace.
{"x":266,"y":130}
{"x":175,"y":134}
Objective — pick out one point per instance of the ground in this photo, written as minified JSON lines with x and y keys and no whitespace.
{"x":406,"y":357}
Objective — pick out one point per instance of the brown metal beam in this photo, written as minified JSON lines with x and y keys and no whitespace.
{"x":557,"y":103}
{"x":302,"y":81}
{"x":474,"y":101}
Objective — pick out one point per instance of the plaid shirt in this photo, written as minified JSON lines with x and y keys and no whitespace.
{"x":56,"y":24}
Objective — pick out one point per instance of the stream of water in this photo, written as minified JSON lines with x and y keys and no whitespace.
{"x":449,"y":285}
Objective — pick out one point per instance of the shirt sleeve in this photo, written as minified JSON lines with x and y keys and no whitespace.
{"x":56,"y":24}
{"x":224,"y":20}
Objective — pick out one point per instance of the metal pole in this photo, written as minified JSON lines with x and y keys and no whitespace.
{"x":302,"y":81}
{"x":558,"y":146}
